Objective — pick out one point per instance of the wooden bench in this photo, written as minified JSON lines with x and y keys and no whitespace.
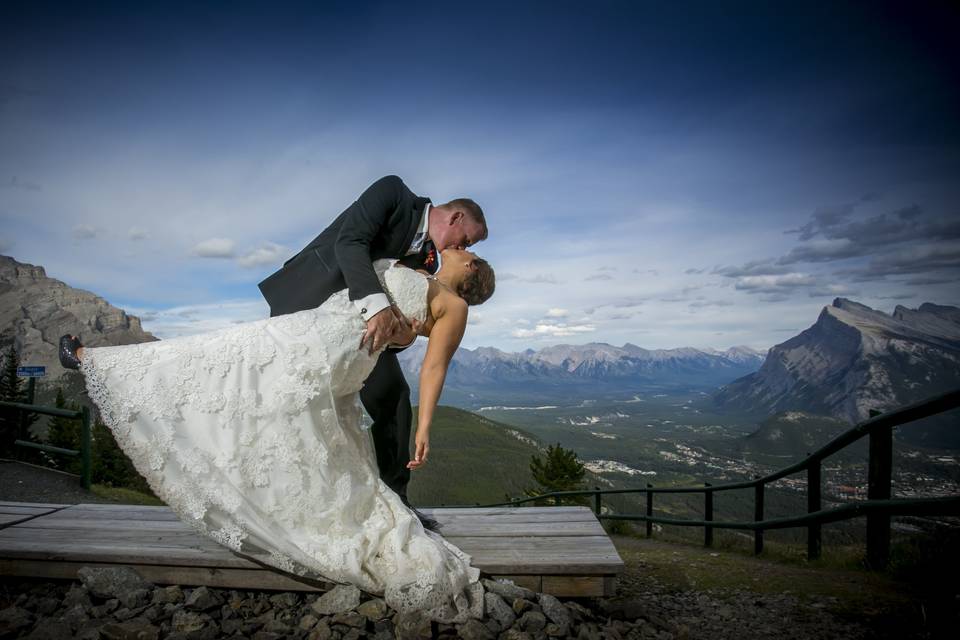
{"x":558,"y":550}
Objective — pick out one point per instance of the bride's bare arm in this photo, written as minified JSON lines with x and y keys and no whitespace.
{"x":445,"y":337}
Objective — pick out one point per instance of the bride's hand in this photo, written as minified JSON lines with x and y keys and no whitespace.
{"x":422,"y":443}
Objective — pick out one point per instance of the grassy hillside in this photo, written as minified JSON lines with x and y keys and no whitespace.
{"x":788,"y":437}
{"x":472,"y":460}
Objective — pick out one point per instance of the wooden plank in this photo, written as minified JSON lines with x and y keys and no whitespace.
{"x":8,"y":519}
{"x":558,"y":544}
{"x":559,"y":563}
{"x":497,"y":564}
{"x":66,"y":523}
{"x":610,"y":585}
{"x":104,"y":516}
{"x":261,"y":579}
{"x":78,"y":537}
{"x":108,"y":511}
{"x":25,"y":511}
{"x":48,"y":505}
{"x":501,"y":530}
{"x":124,"y":554}
{"x":546,"y":518}
{"x":527,"y":581}
{"x":97,"y":506}
{"x":62,"y":521}
{"x":501,"y":510}
{"x":227,"y":578}
{"x":575,"y":586}
{"x":489,"y":561}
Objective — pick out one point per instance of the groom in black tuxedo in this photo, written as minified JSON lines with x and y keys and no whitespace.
{"x":387,"y":221}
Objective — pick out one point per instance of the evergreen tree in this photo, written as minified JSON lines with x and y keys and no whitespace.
{"x":11,"y":390}
{"x":111,"y":466}
{"x":65,"y":433}
{"x":558,"y":470}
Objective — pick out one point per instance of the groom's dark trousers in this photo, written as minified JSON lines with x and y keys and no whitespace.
{"x":380,"y":224}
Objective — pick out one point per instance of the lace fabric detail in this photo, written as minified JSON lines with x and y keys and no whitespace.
{"x":253,"y":436}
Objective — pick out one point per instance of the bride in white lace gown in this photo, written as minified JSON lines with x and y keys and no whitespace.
{"x":253,"y":436}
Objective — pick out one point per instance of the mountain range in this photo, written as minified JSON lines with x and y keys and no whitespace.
{"x":486,"y":374}
{"x":855,"y":359}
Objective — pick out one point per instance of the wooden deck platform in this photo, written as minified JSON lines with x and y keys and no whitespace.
{"x":559,"y":550}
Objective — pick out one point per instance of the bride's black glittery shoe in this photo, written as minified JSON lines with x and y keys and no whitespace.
{"x":68,"y":351}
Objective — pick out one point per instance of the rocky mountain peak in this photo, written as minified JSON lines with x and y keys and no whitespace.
{"x":12,"y":272}
{"x":854,"y":359}
{"x":35,"y":310}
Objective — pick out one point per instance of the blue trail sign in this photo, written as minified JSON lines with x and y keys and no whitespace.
{"x":31,"y":372}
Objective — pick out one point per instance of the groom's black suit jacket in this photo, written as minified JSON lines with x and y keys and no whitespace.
{"x":380,"y":224}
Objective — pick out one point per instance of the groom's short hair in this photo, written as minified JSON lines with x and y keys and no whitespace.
{"x":473,"y":210}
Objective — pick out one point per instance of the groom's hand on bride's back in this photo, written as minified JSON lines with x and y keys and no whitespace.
{"x":407,"y":331}
{"x":387,"y":326}
{"x":379,"y":329}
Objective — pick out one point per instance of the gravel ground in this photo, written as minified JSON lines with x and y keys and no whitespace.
{"x":20,"y":482}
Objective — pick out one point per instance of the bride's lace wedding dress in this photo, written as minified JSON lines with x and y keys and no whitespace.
{"x":253,"y":436}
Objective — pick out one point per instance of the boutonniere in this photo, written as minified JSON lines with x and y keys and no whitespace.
{"x":431,"y":258}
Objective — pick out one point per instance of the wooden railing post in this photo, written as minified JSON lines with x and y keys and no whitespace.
{"x":596,"y":501}
{"x":23,"y":428}
{"x":708,"y":516}
{"x":85,"y":445}
{"x":878,"y":488}
{"x":813,"y":504}
{"x":649,"y":510}
{"x":758,"y":517}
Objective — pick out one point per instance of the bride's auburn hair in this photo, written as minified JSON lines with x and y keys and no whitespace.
{"x":477,"y":287}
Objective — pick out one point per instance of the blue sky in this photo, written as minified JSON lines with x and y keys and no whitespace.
{"x":666,"y":174}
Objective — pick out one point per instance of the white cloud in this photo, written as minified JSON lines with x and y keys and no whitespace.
{"x":774,"y":283}
{"x":699,"y":304}
{"x":541,"y":279}
{"x":84,"y":232}
{"x":833,"y":290}
{"x":136,"y":233}
{"x":214,"y":248}
{"x":193,"y":319}
{"x":553,"y":330}
{"x":557,"y":313}
{"x":269,"y":253}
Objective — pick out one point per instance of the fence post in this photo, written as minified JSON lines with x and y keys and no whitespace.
{"x":596,"y":501}
{"x":758,"y":517}
{"x":878,"y":488}
{"x":556,"y":501}
{"x":649,"y":510}
{"x":85,"y":447}
{"x":813,"y":504}
{"x":23,"y":430}
{"x":708,"y":516}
